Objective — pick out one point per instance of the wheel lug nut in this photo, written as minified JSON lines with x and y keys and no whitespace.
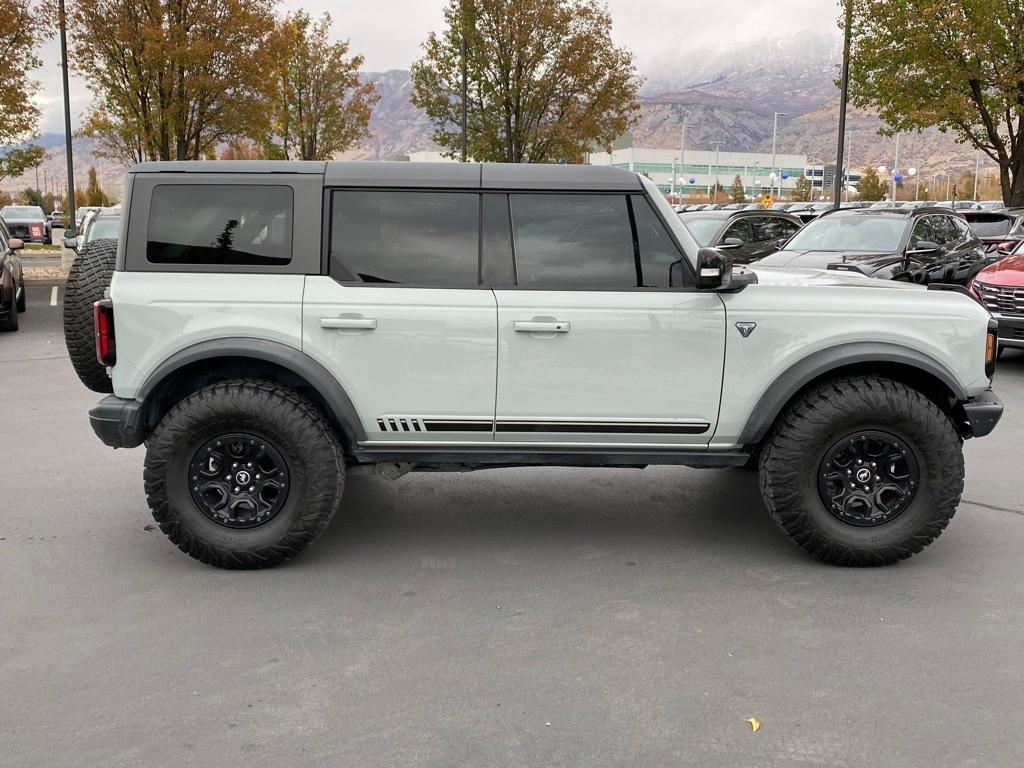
{"x":866,"y":488}
{"x":235,"y":465}
{"x":249,"y":465}
{"x":252,"y":488}
{"x":877,"y":477}
{"x":853,"y":485}
{"x":257,"y":477}
{"x":236,"y":489}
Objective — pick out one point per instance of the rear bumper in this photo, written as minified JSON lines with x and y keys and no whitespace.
{"x":983,"y":413}
{"x":118,"y":422}
{"x":1011,"y":330}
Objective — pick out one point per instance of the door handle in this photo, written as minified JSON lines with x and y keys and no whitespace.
{"x":349,"y":323}
{"x":537,"y":326}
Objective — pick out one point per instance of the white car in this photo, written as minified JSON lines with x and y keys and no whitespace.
{"x":280,"y":325}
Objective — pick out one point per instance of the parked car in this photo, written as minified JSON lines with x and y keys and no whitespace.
{"x":1000,"y":288}
{"x":103,"y":224}
{"x":1001,"y":231}
{"x":317,"y":320}
{"x":76,"y":241}
{"x":810,"y":211}
{"x":744,"y":235}
{"x":26,"y":222}
{"x":81,"y":213}
{"x":920,"y":245}
{"x":12,"y":279}
{"x":57,"y":219}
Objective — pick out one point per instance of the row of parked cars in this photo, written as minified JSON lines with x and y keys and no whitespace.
{"x":94,"y":224}
{"x":982,"y":250}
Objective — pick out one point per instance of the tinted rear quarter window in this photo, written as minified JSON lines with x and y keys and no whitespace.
{"x":220,"y":224}
{"x":410,"y":238}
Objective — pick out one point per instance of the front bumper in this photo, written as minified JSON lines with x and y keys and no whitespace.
{"x":118,"y":422}
{"x":1011,"y":330}
{"x":983,"y":413}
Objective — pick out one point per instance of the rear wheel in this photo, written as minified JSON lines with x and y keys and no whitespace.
{"x":88,"y":279}
{"x":243,"y":474}
{"x":862,"y":471}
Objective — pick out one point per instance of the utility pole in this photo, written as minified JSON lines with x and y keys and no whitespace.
{"x":718,"y":182}
{"x":844,"y":91}
{"x":682,"y":155}
{"x":62,"y":18}
{"x":846,"y":169}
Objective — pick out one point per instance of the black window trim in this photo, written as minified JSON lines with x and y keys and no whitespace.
{"x":689,"y":280}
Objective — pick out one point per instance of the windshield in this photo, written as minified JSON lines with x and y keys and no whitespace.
{"x":22,"y":212}
{"x":103,"y":228}
{"x":702,"y":229}
{"x":850,"y":233}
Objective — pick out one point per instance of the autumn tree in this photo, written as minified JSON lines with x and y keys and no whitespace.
{"x":958,"y":66}
{"x":240,"y":148}
{"x":870,"y":187}
{"x":545,"y":80}
{"x":172,"y":79}
{"x":318,"y":106}
{"x":19,"y":39}
{"x":737,"y":190}
{"x":94,"y":194}
{"x":802,"y":190}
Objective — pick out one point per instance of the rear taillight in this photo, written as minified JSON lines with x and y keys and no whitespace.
{"x":103,"y":318}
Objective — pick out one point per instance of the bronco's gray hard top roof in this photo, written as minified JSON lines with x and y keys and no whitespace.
{"x":422,"y":175}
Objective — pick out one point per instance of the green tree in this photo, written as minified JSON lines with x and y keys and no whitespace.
{"x":545,"y":80}
{"x":94,"y":194}
{"x":172,"y":79}
{"x":802,"y":190}
{"x":14,"y":162}
{"x":737,"y":191}
{"x":870,"y":187}
{"x":318,"y":105}
{"x":958,"y":66}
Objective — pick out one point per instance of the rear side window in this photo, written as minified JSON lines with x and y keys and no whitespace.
{"x":738,"y":230}
{"x":220,"y":224}
{"x":410,"y":238}
{"x":990,"y":226}
{"x":573,"y":242}
{"x":771,"y":228}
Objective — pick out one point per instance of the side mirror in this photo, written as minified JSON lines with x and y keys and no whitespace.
{"x":731,"y":242}
{"x":714,"y":270}
{"x":925,"y":246}
{"x":71,"y":242}
{"x":15,"y":243}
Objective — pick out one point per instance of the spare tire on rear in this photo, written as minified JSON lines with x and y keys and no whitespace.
{"x":89,"y":278}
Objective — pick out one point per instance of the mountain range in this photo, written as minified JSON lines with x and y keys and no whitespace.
{"x":725,"y":95}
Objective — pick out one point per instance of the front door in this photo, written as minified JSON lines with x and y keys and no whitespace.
{"x":604,"y":341}
{"x":401,"y":320}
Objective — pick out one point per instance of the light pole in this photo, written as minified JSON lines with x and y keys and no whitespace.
{"x":62,"y":20}
{"x":718,"y":182}
{"x":896,"y":168}
{"x":846,"y":166}
{"x":882,"y":171}
{"x":753,"y":188}
{"x":775,"y":133}
{"x":949,"y":184}
{"x":912,"y":172}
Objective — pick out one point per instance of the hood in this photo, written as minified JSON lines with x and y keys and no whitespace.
{"x":821,"y":259}
{"x":1008,"y":271}
{"x":815,"y":278}
{"x":24,"y":219}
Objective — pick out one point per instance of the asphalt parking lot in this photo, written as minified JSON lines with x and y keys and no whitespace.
{"x":528,"y":617}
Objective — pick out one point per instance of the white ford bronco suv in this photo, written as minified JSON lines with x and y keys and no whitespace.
{"x":271,"y":326}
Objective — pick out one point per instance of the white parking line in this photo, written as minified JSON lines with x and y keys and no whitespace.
{"x":53,"y":296}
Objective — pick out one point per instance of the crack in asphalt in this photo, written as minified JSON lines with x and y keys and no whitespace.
{"x":992,"y":506}
{"x":30,"y":359}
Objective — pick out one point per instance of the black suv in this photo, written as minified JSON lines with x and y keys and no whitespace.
{"x":920,"y":245}
{"x":744,"y":235}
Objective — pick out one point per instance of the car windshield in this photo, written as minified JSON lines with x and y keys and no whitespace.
{"x":22,"y":212}
{"x":850,"y":233}
{"x":103,"y":228}
{"x":702,"y":229}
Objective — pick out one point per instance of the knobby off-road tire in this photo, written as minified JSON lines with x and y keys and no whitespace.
{"x":793,"y":461}
{"x":293,"y":432}
{"x":89,"y":278}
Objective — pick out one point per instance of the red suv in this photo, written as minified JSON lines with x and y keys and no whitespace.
{"x":1000,"y":287}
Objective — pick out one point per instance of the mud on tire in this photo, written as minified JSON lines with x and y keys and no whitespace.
{"x":793,"y":462}
{"x":299,"y":436}
{"x":88,"y":279}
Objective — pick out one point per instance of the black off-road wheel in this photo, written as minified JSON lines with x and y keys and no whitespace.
{"x":862,"y":471}
{"x":89,"y":277}
{"x":243,"y":474}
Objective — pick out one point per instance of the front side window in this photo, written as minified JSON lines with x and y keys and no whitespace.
{"x":738,"y":230}
{"x":406,"y":238}
{"x":661,"y":263}
{"x":767,"y":228}
{"x":573,"y":242}
{"x":230,"y":224}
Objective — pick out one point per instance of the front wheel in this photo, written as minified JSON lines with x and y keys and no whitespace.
{"x":862,"y":471}
{"x":243,"y":474}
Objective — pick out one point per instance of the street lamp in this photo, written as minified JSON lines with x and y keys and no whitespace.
{"x":753,"y":188}
{"x":912,"y":173}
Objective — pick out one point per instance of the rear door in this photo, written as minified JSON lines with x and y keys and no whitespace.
{"x":602,"y":338}
{"x":401,"y":319}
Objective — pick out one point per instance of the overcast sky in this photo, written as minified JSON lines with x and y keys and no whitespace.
{"x":388,"y":33}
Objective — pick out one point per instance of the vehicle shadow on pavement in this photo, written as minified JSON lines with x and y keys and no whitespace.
{"x":688,"y":511}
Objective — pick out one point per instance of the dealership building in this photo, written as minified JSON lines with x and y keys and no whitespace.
{"x":696,"y":172}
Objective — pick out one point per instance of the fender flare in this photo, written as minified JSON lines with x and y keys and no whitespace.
{"x":801,"y":373}
{"x":290,"y":358}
